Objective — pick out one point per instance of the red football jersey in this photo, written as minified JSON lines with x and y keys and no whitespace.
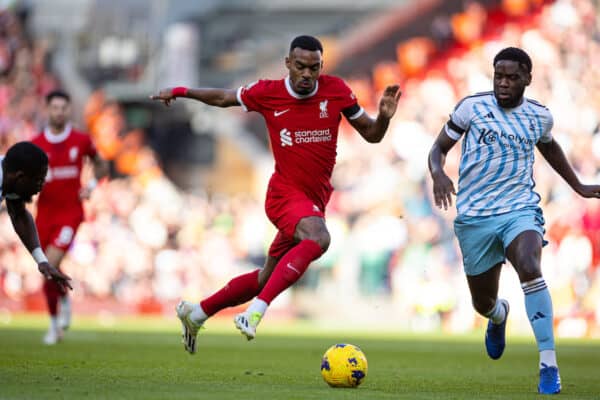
{"x":66,"y":152}
{"x":303,"y":129}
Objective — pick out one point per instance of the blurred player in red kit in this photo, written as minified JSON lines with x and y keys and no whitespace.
{"x":302,"y":112}
{"x":59,"y":207}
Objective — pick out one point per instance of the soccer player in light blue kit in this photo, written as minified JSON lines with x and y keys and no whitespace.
{"x":498,"y":212}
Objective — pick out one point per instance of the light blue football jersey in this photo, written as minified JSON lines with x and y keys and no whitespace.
{"x":496,"y":165}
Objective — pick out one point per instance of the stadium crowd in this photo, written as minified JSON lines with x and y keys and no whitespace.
{"x":146,"y":244}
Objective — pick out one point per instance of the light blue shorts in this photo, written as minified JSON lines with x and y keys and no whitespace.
{"x":483,"y":240}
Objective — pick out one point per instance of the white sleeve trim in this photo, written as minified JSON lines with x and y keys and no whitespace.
{"x":238,"y":95}
{"x":547,"y":138}
{"x":357,"y":114}
{"x":452,"y":134}
{"x":38,"y":255}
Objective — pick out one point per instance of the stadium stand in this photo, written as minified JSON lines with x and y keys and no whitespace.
{"x":147,"y":243}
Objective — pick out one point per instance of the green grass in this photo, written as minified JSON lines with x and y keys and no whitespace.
{"x":143,"y":359}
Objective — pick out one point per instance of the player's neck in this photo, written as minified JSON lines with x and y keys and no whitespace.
{"x":290,"y":89}
{"x":55,"y":134}
{"x":512,"y":106}
{"x":56,"y":129}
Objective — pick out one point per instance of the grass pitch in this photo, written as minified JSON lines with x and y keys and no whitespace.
{"x":143,"y":359}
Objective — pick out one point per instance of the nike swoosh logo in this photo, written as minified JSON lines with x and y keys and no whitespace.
{"x":290,"y":266}
{"x":278,"y":113}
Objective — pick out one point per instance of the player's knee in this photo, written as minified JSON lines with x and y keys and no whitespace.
{"x":528,"y":268}
{"x":323,"y":239}
{"x":483,"y":306}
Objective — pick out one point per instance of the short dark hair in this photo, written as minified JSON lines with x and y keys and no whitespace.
{"x":26,"y":157}
{"x":514,"y":54}
{"x":61,"y":94}
{"x":306,"y":42}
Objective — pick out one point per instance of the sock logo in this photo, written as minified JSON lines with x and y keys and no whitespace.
{"x":290,"y":266}
{"x":537,"y":315}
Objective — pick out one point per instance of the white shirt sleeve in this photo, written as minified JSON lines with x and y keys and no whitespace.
{"x":238,"y":95}
{"x":459,"y":121}
{"x":547,"y":124}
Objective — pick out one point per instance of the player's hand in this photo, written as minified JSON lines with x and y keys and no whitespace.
{"x":589,"y":191}
{"x":53,"y":273}
{"x":165,"y":95}
{"x":85,"y":193}
{"x":389,"y":101}
{"x":443,"y":189}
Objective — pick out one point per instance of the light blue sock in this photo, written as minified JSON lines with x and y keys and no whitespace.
{"x":538,"y":305}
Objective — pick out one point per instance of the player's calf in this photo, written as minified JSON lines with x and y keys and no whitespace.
{"x":64,"y":313}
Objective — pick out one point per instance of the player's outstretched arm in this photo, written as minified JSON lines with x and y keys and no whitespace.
{"x":373,"y":130}
{"x":443,"y":188}
{"x":212,"y":97}
{"x":101,"y":169}
{"x":555,"y":156}
{"x":24,"y":226}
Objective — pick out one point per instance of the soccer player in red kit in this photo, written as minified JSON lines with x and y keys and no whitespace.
{"x":59,"y":206}
{"x":302,"y":112}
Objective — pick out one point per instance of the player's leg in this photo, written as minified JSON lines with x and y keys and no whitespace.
{"x":245,"y":287}
{"x":524,"y":252}
{"x":54,"y":293}
{"x":237,"y":291}
{"x":483,"y":256}
{"x":312,"y":239}
{"x":484,"y":295}
{"x":56,"y":243}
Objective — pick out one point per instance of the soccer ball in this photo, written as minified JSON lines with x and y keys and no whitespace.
{"x":344,"y":365}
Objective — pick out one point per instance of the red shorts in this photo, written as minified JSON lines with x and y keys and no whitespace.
{"x":58,"y":232}
{"x":285,"y":207}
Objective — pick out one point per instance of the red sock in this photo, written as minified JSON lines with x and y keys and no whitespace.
{"x":237,"y":291}
{"x":52,"y":292}
{"x":290,"y":268}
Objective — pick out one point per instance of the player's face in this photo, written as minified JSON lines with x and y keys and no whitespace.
{"x":28,"y":186}
{"x":58,"y":112}
{"x":305,"y":67}
{"x":510,"y":80}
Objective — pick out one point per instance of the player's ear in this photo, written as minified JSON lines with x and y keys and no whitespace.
{"x":288,"y":62}
{"x":16,"y":175}
{"x":526,"y":74}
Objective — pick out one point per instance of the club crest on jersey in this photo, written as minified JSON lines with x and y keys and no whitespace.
{"x":323,"y":109}
{"x":73,"y":151}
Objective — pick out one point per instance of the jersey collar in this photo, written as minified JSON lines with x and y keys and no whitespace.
{"x":517,"y":107}
{"x":288,"y":86}
{"x":61,"y":137}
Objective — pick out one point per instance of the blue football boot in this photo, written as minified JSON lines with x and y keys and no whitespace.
{"x":495,"y":336}
{"x":549,"y":380}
